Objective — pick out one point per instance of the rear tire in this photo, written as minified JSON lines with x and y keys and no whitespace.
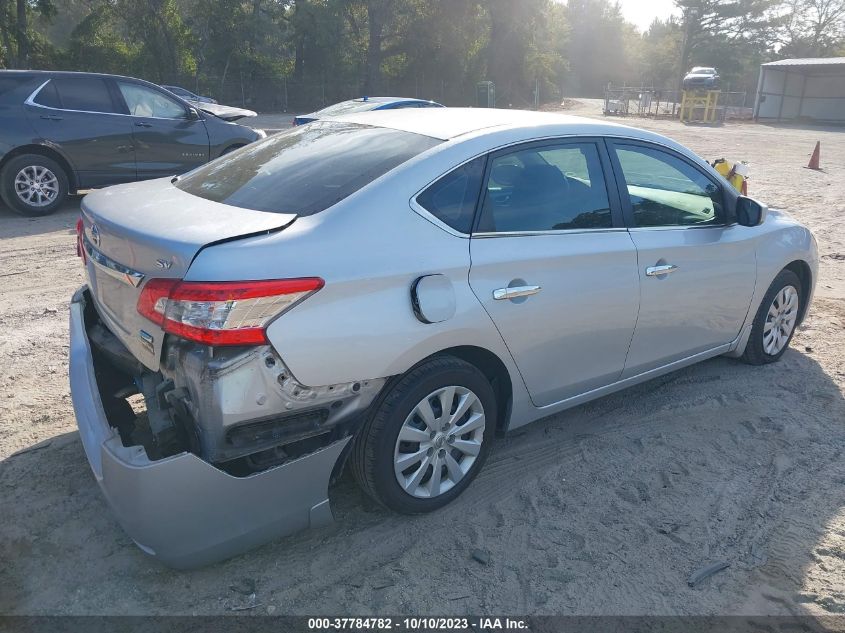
{"x":452,"y":443}
{"x":775,"y":321}
{"x":33,"y":185}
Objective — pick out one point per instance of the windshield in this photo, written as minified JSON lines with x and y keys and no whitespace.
{"x":306,"y":169}
{"x":346,"y":107}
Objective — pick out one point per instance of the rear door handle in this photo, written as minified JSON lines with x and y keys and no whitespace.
{"x":142,"y":124}
{"x":656,"y":271}
{"x":48,"y":117}
{"x":515,"y":292}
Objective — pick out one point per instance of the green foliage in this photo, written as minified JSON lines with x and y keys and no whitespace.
{"x":813,"y":28}
{"x":100,"y":44}
{"x":603,"y":47}
{"x":306,"y":53}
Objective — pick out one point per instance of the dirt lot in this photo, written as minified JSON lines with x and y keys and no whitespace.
{"x":607,"y":508}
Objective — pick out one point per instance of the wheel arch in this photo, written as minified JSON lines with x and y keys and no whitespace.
{"x":231,"y":148}
{"x":494,"y":370}
{"x":49,"y":152}
{"x":805,"y":274}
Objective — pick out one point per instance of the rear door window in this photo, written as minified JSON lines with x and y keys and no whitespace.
{"x":305,"y":169}
{"x":452,"y":199}
{"x":85,"y":94}
{"x":546,"y":188}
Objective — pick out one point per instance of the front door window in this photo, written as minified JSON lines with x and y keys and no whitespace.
{"x":146,"y":102}
{"x":667,"y":191}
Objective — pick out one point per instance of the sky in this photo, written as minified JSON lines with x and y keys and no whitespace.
{"x":643,"y":12}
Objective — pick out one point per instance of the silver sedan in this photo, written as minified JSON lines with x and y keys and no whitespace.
{"x":392,"y":290}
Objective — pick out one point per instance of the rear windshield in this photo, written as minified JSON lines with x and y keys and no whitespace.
{"x":306,"y":169}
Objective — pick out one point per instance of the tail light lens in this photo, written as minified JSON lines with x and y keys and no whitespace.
{"x":222,"y":313}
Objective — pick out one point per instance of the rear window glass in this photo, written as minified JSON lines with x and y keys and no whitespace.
{"x":9,"y":83}
{"x":452,"y":199}
{"x":306,"y":169}
{"x":48,"y":96}
{"x":87,"y":94}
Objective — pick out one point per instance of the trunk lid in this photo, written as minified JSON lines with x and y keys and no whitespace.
{"x":133,"y":233}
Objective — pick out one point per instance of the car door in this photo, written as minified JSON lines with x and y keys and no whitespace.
{"x":697,"y":269}
{"x":554,"y":266}
{"x":169,"y":136}
{"x":79,"y":116}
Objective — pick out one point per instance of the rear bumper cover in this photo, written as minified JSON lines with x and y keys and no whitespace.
{"x":181,"y":509}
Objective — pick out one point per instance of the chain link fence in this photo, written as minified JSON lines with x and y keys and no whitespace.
{"x":274,"y":93}
{"x":646,"y":101}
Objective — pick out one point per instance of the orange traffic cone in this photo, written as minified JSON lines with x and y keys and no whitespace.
{"x":814,"y":159}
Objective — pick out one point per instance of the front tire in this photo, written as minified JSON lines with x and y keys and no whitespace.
{"x":775,"y":321}
{"x":427,"y":438}
{"x":33,"y":185}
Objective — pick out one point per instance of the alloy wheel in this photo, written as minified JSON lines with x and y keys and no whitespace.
{"x":439,"y":441}
{"x":780,"y":320}
{"x":36,"y":186}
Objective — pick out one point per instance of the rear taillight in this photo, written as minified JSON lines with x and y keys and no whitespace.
{"x":293,"y":123}
{"x":222,"y":313}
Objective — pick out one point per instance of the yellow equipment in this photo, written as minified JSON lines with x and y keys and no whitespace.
{"x":695,"y":103}
{"x":736,"y":174}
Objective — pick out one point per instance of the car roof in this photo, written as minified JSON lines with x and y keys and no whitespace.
{"x":387,"y":99}
{"x":47,"y":74}
{"x":449,"y":123}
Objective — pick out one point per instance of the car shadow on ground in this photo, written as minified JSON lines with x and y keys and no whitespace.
{"x":605,"y":508}
{"x":804,"y":125}
{"x":15,"y":225}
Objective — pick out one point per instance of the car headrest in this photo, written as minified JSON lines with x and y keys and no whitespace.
{"x":505,"y":174}
{"x":543,"y":175}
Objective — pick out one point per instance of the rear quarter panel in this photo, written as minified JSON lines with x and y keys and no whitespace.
{"x":15,"y":129}
{"x":369,"y":249}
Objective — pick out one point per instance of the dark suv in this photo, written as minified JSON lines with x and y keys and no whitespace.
{"x":62,"y":131}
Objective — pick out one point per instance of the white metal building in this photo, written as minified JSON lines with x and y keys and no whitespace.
{"x":810,"y":89}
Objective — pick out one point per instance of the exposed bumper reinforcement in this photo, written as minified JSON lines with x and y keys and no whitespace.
{"x":180,"y":509}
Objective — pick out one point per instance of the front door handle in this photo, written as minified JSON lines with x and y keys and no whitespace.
{"x":656,"y":271}
{"x":515,"y":292}
{"x":142,"y":124}
{"x":48,"y":117}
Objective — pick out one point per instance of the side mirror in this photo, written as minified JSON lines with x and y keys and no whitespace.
{"x":193,"y":114}
{"x":749,"y":212}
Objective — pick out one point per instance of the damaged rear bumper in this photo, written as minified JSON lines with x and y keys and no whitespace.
{"x":181,"y":509}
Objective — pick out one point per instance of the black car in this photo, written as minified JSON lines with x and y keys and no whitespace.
{"x":63,"y":131}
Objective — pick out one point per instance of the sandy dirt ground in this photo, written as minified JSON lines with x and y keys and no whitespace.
{"x":604,"y":509}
